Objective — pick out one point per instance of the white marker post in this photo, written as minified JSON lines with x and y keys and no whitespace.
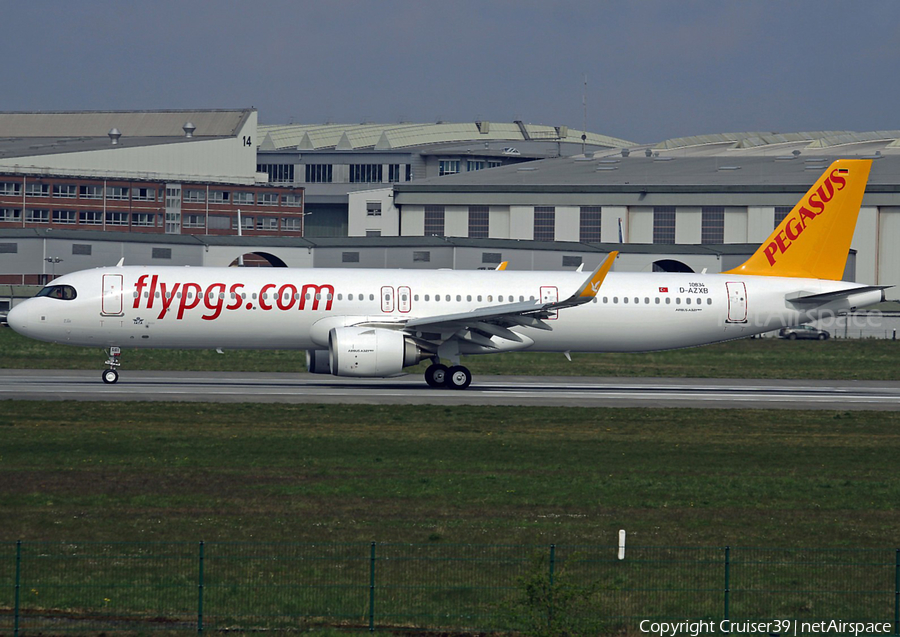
{"x":622,"y":544}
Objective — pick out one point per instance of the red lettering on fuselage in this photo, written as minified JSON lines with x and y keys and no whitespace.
{"x":212,"y":300}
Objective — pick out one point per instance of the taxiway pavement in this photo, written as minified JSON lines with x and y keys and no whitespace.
{"x":557,"y":391}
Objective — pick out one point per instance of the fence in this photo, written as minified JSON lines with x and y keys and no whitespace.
{"x":58,"y":587}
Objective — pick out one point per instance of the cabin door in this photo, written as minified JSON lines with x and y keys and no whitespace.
{"x":112,"y":302}
{"x":737,"y":302}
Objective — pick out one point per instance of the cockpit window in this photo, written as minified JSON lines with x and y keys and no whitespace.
{"x":64,"y":292}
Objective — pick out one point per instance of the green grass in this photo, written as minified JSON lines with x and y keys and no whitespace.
{"x":450,"y":480}
{"x":147,"y":471}
{"x":748,"y":358}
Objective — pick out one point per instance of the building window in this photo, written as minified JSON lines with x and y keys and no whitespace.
{"x":37,"y":216}
{"x":90,"y":218}
{"x":544,"y":223}
{"x":37,"y":190}
{"x":780,"y":213}
{"x":492,"y":257}
{"x":193,"y":196}
{"x":10,"y":214}
{"x":143,"y":219}
{"x":712,"y":225}
{"x":81,"y":248}
{"x":193,"y":221}
{"x":161,"y":253}
{"x":571,"y":261}
{"x":373,"y":208}
{"x":219,"y":196}
{"x":9,"y":248}
{"x":119,"y":193}
{"x":278,"y":173}
{"x":365,"y":173}
{"x":143,"y":194}
{"x":318,"y":173}
{"x":267,"y":223}
{"x":421,"y":256}
{"x":664,"y":224}
{"x":246,"y":223}
{"x":292,"y":200}
{"x":349,"y":257}
{"x":117,"y":218}
{"x":589,"y":229}
{"x":449,"y":166}
{"x":290,"y":224}
{"x":242,"y":198}
{"x":65,"y":216}
{"x":434,"y":221}
{"x":393,"y":173}
{"x":479,"y":222}
{"x":494,"y":163}
{"x":65,"y":191}
{"x":268,"y":199}
{"x":474,"y":164}
{"x":10,"y":189}
{"x":90,"y":192}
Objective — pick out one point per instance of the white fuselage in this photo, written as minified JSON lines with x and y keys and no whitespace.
{"x":275,"y":308}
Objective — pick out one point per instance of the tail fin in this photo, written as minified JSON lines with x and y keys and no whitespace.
{"x":814,"y":239}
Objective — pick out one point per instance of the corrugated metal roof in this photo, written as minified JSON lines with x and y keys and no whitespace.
{"x":362,"y":136}
{"x":209,"y":123}
{"x":761,"y":140}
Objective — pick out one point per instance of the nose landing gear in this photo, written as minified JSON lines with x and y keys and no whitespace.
{"x":110,"y":375}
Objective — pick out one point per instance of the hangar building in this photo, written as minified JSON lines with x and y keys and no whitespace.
{"x":713,"y":190}
{"x":332,"y":160}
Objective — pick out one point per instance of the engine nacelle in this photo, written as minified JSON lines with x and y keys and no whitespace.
{"x":317,"y":361}
{"x":370,"y":352}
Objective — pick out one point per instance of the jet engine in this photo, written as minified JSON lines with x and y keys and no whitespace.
{"x":370,"y":352}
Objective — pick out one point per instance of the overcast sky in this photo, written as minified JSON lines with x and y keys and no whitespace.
{"x":655,"y":70}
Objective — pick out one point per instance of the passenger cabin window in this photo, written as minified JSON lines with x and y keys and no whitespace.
{"x":64,"y":292}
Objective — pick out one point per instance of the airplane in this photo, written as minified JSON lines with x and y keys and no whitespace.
{"x":374,"y":323}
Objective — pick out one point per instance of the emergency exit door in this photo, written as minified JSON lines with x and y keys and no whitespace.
{"x":112,"y":302}
{"x":550,"y":294}
{"x":737,"y":302}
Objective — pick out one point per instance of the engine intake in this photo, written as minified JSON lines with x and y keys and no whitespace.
{"x":370,"y":352}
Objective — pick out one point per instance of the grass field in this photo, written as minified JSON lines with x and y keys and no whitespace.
{"x":748,"y":358}
{"x":140,"y":471}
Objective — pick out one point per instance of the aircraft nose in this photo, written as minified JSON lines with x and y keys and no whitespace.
{"x":17,"y":318}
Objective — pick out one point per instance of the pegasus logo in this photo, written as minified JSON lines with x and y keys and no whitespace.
{"x":804,"y":213}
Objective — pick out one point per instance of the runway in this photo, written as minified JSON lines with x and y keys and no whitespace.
{"x":555,"y":391}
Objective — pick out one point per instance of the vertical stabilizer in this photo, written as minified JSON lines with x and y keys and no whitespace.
{"x":814,"y":239}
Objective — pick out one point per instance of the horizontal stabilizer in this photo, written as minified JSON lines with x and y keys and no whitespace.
{"x":827,"y":297}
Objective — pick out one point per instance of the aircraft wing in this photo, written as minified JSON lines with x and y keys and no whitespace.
{"x":480,"y":325}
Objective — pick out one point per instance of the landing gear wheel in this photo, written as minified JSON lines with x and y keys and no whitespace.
{"x":110,"y":376}
{"x":436,"y":375}
{"x":458,"y":377}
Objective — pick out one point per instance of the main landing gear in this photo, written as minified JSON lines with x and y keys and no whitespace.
{"x":110,"y":375}
{"x":455,"y":377}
